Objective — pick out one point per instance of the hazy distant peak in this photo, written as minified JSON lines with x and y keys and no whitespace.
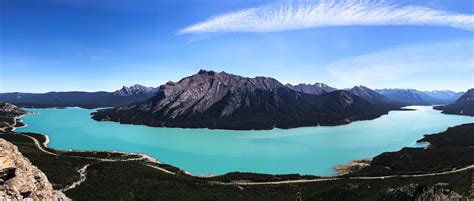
{"x":367,"y":94}
{"x":414,"y":96}
{"x":316,"y":88}
{"x":136,"y":89}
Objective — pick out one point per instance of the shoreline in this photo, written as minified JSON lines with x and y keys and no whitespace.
{"x":342,"y":122}
{"x":353,"y":166}
{"x":341,"y":169}
{"x":17,"y":119}
{"x":47,"y":140}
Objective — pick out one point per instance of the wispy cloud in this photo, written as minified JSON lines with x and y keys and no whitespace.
{"x":422,"y":66}
{"x":325,"y":13}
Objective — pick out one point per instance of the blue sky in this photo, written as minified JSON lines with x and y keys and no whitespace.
{"x":56,"y":45}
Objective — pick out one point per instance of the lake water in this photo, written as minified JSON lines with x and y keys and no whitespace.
{"x":308,"y":150}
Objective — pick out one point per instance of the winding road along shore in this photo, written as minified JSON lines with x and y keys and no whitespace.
{"x":82,"y":172}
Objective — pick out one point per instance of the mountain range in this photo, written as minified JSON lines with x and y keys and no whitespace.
{"x":402,"y":96}
{"x":126,"y":95}
{"x":225,"y":101}
{"x":464,"y":105}
{"x":210,"y":99}
{"x":135,"y":90}
{"x":316,"y":88}
{"x":416,"y":97}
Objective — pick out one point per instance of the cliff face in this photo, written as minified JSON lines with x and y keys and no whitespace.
{"x":19,"y":179}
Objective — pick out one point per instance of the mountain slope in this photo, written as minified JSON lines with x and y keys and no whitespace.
{"x":316,"y":88}
{"x":225,"y":101}
{"x":369,"y":94}
{"x":124,"y":96}
{"x":447,"y":95}
{"x":464,"y":105}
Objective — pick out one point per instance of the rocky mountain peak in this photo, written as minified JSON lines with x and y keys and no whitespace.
{"x":468,"y":96}
{"x":209,"y":72}
{"x":199,"y":92}
{"x":134,"y":90}
{"x":367,"y":94}
{"x":316,"y":88}
{"x":464,"y":105}
{"x":223,"y":100}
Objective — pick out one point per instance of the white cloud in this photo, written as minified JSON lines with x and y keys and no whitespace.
{"x":325,"y":13}
{"x":422,"y":66}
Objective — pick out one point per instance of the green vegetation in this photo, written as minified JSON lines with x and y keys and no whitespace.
{"x":462,"y":136}
{"x":130,"y":180}
{"x":60,"y":170}
{"x":451,"y":149}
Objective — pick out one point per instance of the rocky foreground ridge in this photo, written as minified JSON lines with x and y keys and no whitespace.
{"x":19,"y":179}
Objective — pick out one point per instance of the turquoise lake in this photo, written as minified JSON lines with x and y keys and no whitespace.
{"x":308,"y":150}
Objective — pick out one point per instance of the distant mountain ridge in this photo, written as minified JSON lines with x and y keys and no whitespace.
{"x":401,"y":96}
{"x":126,"y":95}
{"x":464,"y":105}
{"x":316,"y":88}
{"x":225,"y":101}
{"x":416,"y":97}
{"x":369,"y":94}
{"x":444,"y":94}
{"x":135,"y":90}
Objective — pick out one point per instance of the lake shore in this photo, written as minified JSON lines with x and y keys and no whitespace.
{"x":106,"y":172}
{"x":174,"y":145}
{"x":114,"y":171}
{"x":353,"y":166}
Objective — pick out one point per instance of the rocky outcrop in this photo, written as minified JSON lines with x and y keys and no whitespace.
{"x":221,"y":100}
{"x":19,"y":179}
{"x":10,"y":108}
